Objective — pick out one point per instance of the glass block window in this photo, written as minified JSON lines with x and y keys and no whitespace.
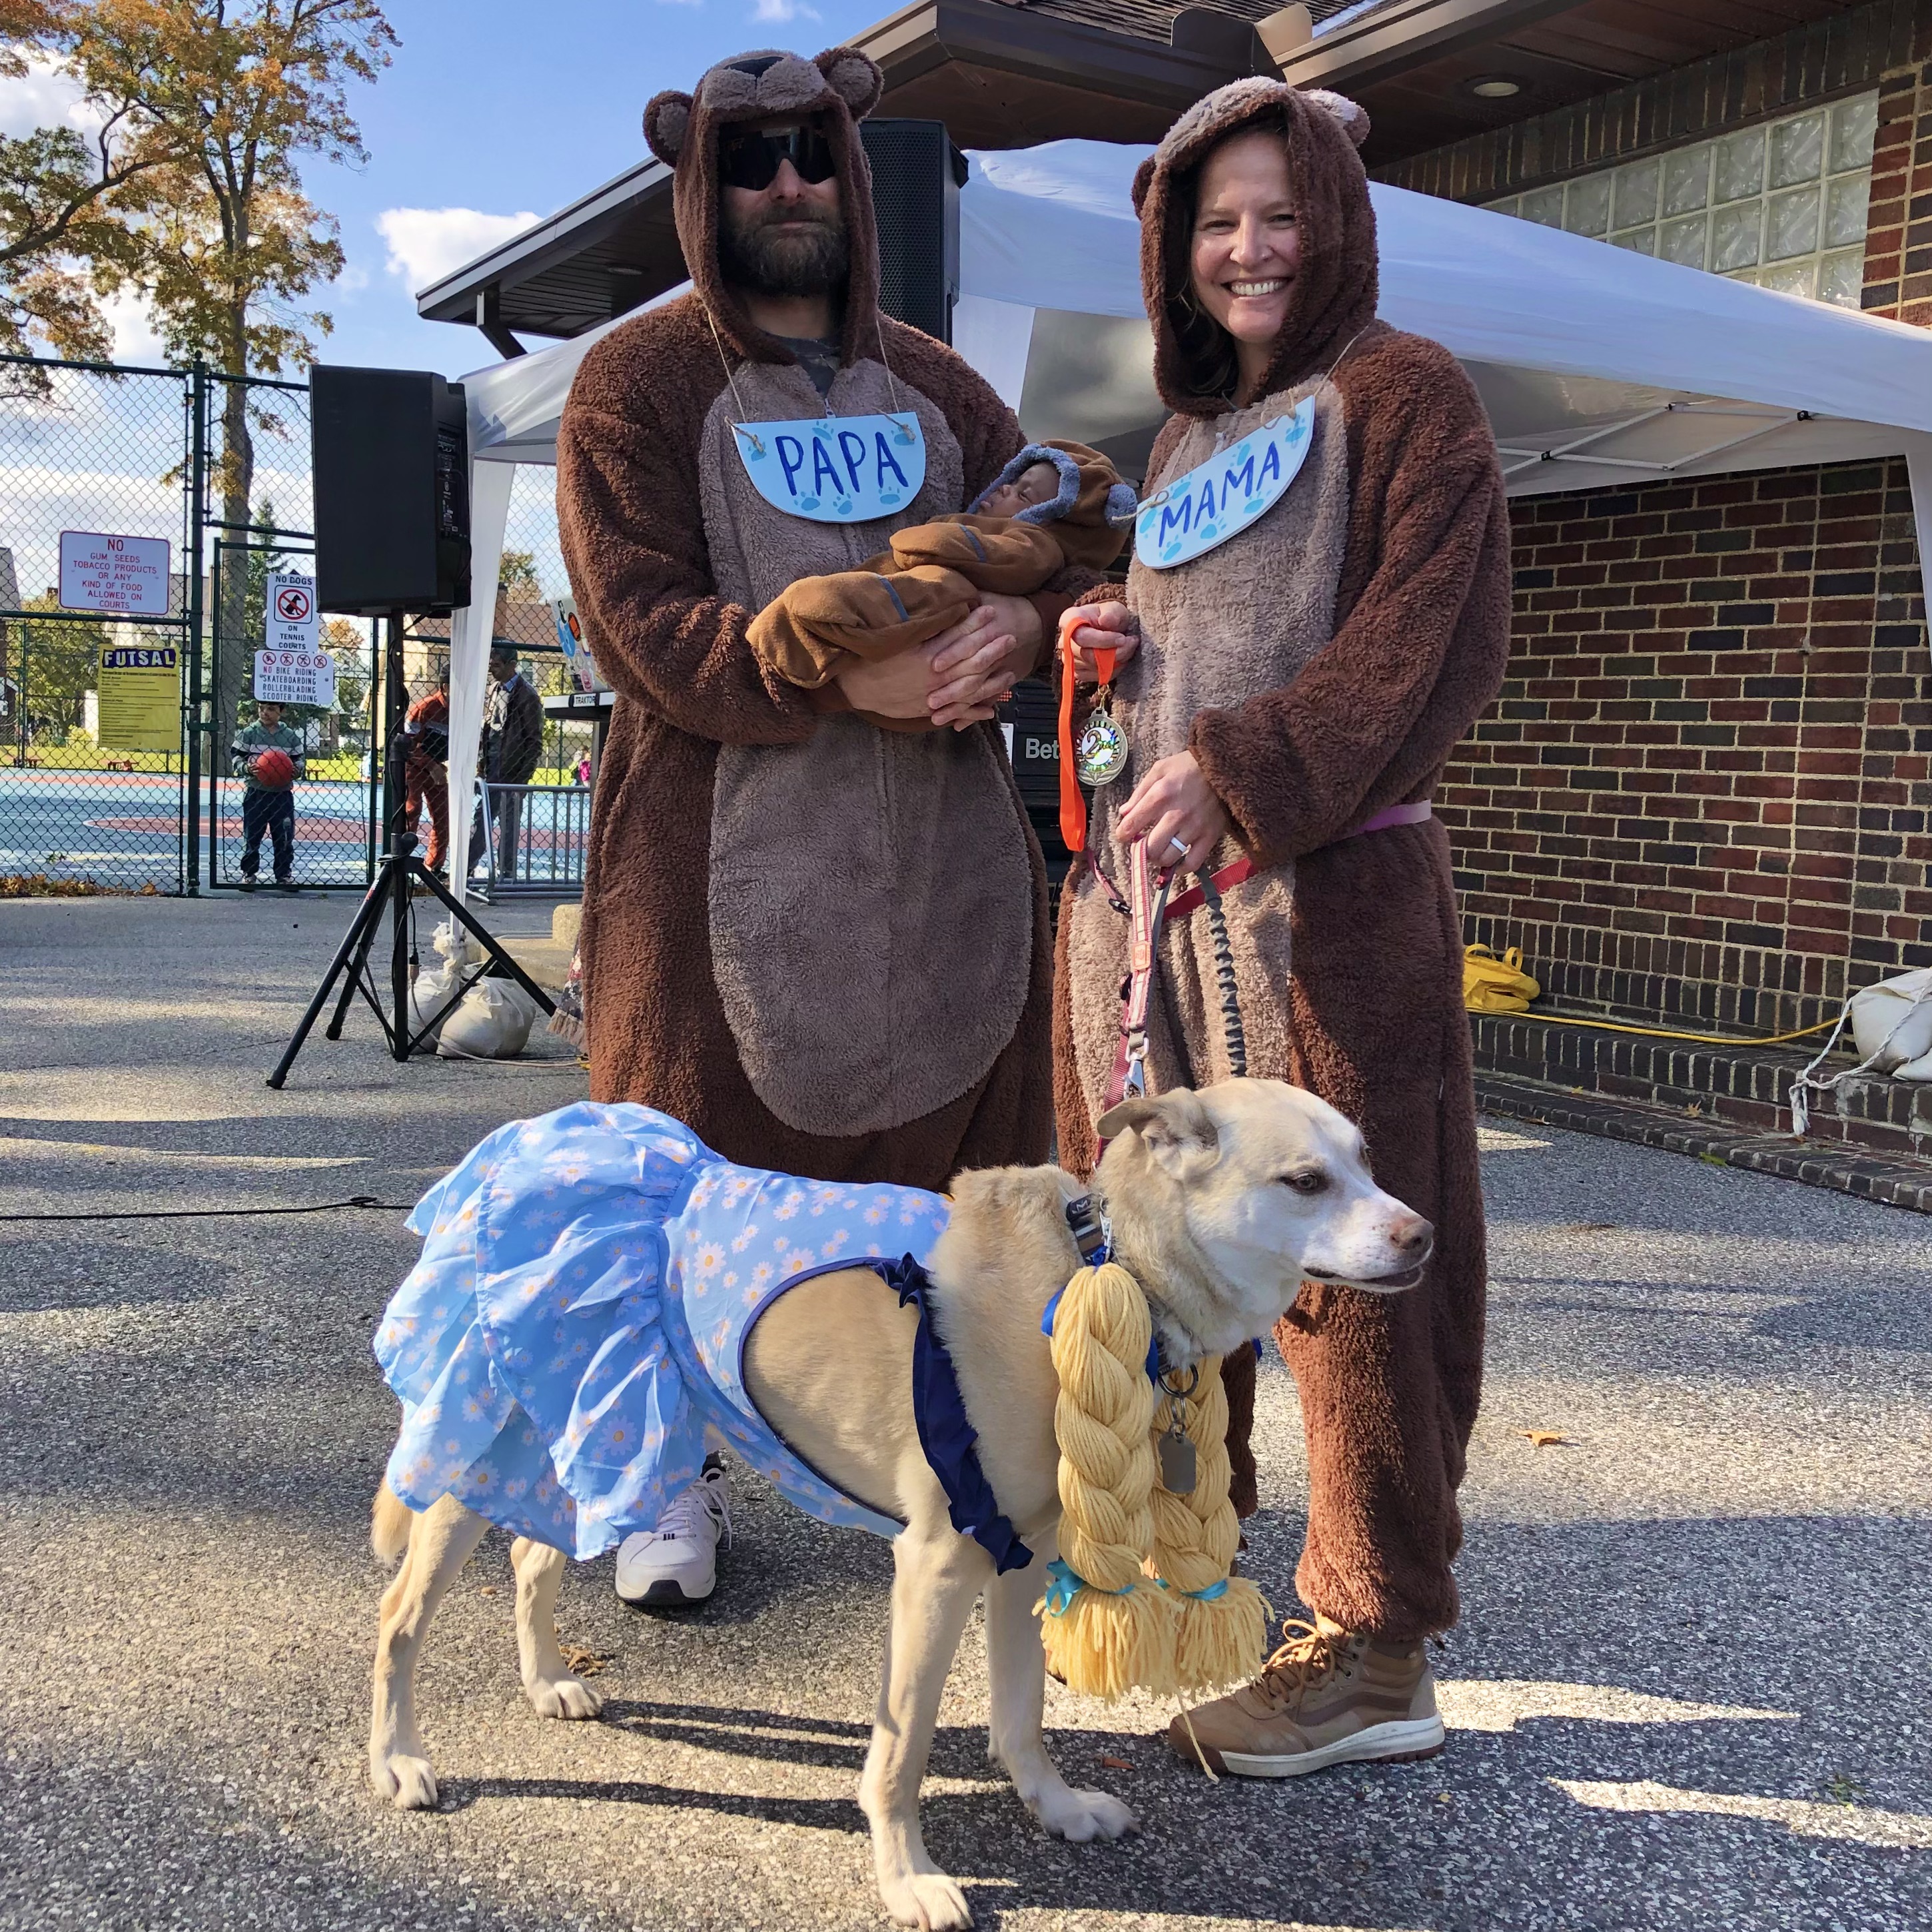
{"x":1782,"y":205}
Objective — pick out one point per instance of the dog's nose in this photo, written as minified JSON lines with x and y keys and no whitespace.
{"x":1412,"y":1237}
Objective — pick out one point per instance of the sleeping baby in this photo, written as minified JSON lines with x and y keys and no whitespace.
{"x":1055,"y":504}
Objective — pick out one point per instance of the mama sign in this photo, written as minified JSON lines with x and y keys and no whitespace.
{"x":1220,"y":498}
{"x":835,"y":470}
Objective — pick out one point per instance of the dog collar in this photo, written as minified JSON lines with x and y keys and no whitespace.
{"x":1093,"y":1233}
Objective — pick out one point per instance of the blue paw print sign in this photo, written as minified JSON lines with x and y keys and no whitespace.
{"x":835,"y":469}
{"x":1220,"y":498}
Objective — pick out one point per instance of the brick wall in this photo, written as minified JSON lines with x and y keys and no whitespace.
{"x":1898,"y":234}
{"x":1844,"y":53}
{"x":1705,"y":793}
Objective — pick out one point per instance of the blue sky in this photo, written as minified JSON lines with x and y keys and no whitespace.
{"x":491,"y":110}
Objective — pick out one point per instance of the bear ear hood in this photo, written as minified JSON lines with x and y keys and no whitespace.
{"x":681,"y":130}
{"x":1335,"y":290}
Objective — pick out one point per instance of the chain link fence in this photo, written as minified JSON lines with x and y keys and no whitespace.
{"x":93,"y":772}
{"x":118,"y":724}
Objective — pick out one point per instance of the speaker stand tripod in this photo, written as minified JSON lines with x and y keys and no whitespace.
{"x":398,"y":873}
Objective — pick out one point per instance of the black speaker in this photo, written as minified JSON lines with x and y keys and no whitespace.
{"x":390,"y":452}
{"x":917,"y":174}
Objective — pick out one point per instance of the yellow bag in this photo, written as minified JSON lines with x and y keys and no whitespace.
{"x":1493,"y":985}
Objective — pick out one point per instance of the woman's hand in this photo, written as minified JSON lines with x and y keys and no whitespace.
{"x":1102,"y":627}
{"x":1177,"y":812}
{"x":973,"y":664}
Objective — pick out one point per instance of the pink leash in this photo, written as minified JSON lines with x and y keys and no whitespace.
{"x":1148,"y":908}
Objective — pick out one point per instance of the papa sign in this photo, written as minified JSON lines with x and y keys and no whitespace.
{"x":835,"y":469}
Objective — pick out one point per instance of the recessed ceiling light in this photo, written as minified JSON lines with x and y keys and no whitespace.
{"x":1495,"y":87}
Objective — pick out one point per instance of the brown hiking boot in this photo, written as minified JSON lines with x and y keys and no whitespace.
{"x":1328,"y":1696}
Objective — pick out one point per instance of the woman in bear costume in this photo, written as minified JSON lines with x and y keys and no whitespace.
{"x":820,"y":945}
{"x":1291,"y":698}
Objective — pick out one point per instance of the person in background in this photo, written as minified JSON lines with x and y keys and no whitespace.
{"x":513,"y":729}
{"x":426,"y":769}
{"x":267,"y":807}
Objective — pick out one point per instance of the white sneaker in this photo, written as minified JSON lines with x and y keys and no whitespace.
{"x":677,"y":1562}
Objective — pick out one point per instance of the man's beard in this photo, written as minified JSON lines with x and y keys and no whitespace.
{"x":813,"y":260}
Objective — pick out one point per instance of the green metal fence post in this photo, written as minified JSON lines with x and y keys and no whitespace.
{"x":197,"y":513}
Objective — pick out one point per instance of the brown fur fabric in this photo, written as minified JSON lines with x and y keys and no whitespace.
{"x":665,"y":593}
{"x":932,"y":576}
{"x":812,"y":629}
{"x":1372,"y":1018}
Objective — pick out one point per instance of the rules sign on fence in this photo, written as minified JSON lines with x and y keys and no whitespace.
{"x":127,"y":576}
{"x":295,"y":677}
{"x":140,"y":698}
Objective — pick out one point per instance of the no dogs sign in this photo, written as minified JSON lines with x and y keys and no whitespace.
{"x":291,"y":614}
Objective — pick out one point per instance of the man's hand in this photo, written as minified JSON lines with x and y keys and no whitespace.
{"x":1178,"y":813}
{"x":974,"y":664}
{"x":1102,"y":627}
{"x":894,"y":688}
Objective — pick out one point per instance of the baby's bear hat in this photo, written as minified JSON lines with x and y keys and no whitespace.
{"x":1092,"y":510}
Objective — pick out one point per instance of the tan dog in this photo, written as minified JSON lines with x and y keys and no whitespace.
{"x":1221,"y":1202}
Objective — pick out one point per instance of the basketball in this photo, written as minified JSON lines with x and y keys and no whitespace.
{"x":273,"y":770}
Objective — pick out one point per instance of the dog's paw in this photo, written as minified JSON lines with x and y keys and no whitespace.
{"x":567,"y":1697}
{"x":1079,"y":1816}
{"x":928,"y":1900}
{"x":407,"y":1782}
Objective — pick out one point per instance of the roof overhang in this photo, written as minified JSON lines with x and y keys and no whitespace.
{"x":998,"y":76}
{"x":1414,"y":64}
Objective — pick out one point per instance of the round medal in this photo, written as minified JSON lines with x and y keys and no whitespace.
{"x":1101,"y":756}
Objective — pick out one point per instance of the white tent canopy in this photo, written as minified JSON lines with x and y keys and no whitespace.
{"x":1596,"y":365}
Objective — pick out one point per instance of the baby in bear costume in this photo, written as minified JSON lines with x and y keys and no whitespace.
{"x":1055,"y":504}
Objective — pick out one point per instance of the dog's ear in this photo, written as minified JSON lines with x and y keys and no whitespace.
{"x":1176,"y":1128}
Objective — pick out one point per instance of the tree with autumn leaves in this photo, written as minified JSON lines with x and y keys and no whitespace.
{"x":191,"y":193}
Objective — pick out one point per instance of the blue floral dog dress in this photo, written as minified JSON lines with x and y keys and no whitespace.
{"x":580,"y":1311}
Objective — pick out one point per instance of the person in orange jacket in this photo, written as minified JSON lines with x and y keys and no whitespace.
{"x":426,"y":768}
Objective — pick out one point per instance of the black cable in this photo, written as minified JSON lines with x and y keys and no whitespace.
{"x":211,"y":1214}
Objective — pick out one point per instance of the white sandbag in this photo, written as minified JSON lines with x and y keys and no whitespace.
{"x":493,"y":1023}
{"x":430,"y":993}
{"x":1892,"y":1022}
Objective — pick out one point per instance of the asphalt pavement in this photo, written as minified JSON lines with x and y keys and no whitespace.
{"x":1690,"y":1689}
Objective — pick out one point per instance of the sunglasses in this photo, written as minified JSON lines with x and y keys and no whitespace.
{"x":748,"y":158}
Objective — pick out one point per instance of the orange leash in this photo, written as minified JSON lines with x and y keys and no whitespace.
{"x":1072,"y":804}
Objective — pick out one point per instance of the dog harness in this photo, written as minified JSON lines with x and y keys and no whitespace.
{"x":579,"y":1316}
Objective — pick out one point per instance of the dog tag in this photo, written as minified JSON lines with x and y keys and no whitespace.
{"x":1177,"y":1465}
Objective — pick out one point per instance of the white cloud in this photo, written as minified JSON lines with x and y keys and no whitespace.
{"x":43,"y":96}
{"x":136,"y":338}
{"x":785,"y":10}
{"x":426,"y":244}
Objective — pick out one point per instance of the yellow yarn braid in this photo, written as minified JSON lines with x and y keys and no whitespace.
{"x":1219,"y":1636}
{"x":1109,"y":1626}
{"x":1116,"y":1629}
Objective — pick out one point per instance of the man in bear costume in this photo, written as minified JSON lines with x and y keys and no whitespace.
{"x":821,"y":944}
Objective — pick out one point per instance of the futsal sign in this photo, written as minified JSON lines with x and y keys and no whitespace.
{"x":122,"y":577}
{"x":140,"y":697}
{"x":295,"y":677}
{"x":291,"y":613}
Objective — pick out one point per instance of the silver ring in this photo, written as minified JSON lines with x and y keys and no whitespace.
{"x":1178,"y":845}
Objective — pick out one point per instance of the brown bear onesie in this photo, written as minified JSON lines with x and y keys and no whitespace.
{"x":821,"y":945}
{"x":934,"y":573}
{"x":1321,"y":666}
